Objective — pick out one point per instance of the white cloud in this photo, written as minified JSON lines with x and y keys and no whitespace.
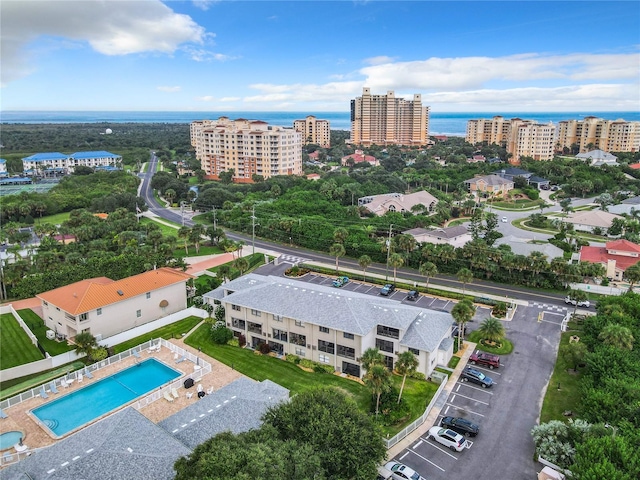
{"x":380,"y":60}
{"x":206,"y":98}
{"x":110,"y":28}
{"x":203,"y":4}
{"x":230,"y":99}
{"x":169,"y":89}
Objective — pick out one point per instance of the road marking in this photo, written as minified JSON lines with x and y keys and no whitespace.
{"x":479,"y":389}
{"x":478,"y":367}
{"x":426,"y":460}
{"x":470,"y":398}
{"x":446,"y":410}
{"x":466,"y":410}
{"x":454,"y":397}
{"x":405,"y":454}
{"x":417,"y":444}
{"x":458,"y":388}
{"x":441,"y":449}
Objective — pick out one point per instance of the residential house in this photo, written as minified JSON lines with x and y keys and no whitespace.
{"x":629,"y":206}
{"x":332,"y":326}
{"x":634,"y":166}
{"x":456,"y":236}
{"x":615,"y":256}
{"x":489,"y":184}
{"x":476,"y":159}
{"x":106,"y":307}
{"x":589,"y":220}
{"x":597,"y":158}
{"x":525,"y":246}
{"x":359,"y":157}
{"x":511,"y":173}
{"x":398,"y":202}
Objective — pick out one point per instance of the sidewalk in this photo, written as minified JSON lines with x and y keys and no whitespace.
{"x":438,"y":406}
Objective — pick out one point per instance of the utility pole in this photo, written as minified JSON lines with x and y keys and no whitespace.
{"x":386,"y":275}
{"x":253,"y":230}
{"x":182,"y":212}
{"x":215,"y":225}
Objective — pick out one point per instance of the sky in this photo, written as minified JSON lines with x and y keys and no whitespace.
{"x":207,"y":55}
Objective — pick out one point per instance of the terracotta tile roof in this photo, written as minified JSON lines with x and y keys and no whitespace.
{"x":86,"y":295}
{"x":635,"y":166}
{"x":623,"y":245}
{"x":600,"y":255}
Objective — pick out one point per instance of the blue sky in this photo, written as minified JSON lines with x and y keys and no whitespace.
{"x":471,"y":56}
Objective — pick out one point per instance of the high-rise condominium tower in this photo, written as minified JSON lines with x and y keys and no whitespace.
{"x":314,"y":131}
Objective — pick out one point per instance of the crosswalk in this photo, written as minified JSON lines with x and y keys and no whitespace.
{"x":292,"y":259}
{"x":546,"y":306}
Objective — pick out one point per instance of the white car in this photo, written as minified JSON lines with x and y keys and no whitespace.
{"x":504,"y":220}
{"x":448,"y":438}
{"x":571,"y":301}
{"x":400,"y":471}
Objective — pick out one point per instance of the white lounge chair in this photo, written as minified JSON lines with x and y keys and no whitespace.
{"x":167,"y":396}
{"x":136,"y":354}
{"x":209,"y":390}
{"x":64,"y":383}
{"x":2,"y":414}
{"x":53,"y":387}
{"x":87,"y":373}
{"x":176,"y":356}
{"x":189,"y":394}
{"x":80,"y":378}
{"x":180,"y":360}
{"x":174,"y":392}
{"x":200,"y":388}
{"x":43,"y":394}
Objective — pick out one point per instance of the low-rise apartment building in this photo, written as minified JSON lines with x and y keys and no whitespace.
{"x":106,"y":307}
{"x":248,"y":147}
{"x":332,"y":326}
{"x":314,"y":131}
{"x":41,"y":162}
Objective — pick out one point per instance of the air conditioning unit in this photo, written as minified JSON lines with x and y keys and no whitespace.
{"x":228,"y":324}
{"x":314,"y":348}
{"x":308,"y":346}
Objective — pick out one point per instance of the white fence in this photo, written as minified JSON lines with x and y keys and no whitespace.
{"x":599,"y":289}
{"x":9,"y":309}
{"x":390,"y":442}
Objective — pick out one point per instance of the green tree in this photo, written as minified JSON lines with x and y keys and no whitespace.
{"x":337,"y":250}
{"x":617,"y":336}
{"x":395,"y":261}
{"x":340,"y":235}
{"x":85,"y":343}
{"x":574,"y":353}
{"x":241,"y":264}
{"x":464,"y":276}
{"x":220,"y":334}
{"x":632,"y":275}
{"x":406,"y":364}
{"x":491,"y":329}
{"x":185,"y":234}
{"x":577,"y":296}
{"x":364,"y":261}
{"x":378,"y":379}
{"x":224,"y":271}
{"x":170,"y":195}
{"x":371,"y":357}
{"x":428,"y":270}
{"x":462,"y":312}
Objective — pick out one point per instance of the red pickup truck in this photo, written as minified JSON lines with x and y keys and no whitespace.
{"x":486,"y":359}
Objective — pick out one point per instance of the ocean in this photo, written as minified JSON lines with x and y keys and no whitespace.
{"x":440,"y":123}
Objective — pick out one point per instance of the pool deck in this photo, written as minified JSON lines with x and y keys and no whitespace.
{"x":36,"y":437}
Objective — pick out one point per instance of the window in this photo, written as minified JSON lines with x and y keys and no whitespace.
{"x":99,"y":311}
{"x":297,"y":339}
{"x":138,"y":313}
{"x":255,"y":328}
{"x":346,"y":352}
{"x":148,"y":295}
{"x":83,"y":317}
{"x":384,"y":345}
{"x":238,"y":323}
{"x":301,"y":352}
{"x":236,"y":308}
{"x":388,"y":332}
{"x":277,"y":318}
{"x":415,"y":351}
{"x":326,"y":347}
{"x":350,"y":336}
{"x":279,"y":335}
{"x":323,"y":359}
{"x":323,"y":329}
{"x":255,"y":313}
{"x":45,"y":303}
{"x":388,"y":362}
{"x":299,"y":324}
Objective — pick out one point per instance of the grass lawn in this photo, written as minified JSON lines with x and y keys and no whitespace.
{"x":504,"y":349}
{"x":204,"y":250}
{"x":56,"y":219}
{"x":39,"y":329}
{"x":556,"y":401}
{"x":417,"y":393}
{"x":15,"y":346}
{"x":164,"y":228}
{"x":174,"y":330}
{"x":9,"y":388}
{"x":453,"y":363}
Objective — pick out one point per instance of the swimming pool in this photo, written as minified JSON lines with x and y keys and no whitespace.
{"x":9,"y":439}
{"x":72,"y":411}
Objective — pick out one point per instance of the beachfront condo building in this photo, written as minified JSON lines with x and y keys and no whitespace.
{"x":387,"y":120}
{"x":593,"y":133}
{"x":248,"y":147}
{"x":314,"y":131}
{"x":49,"y":162}
{"x":521,"y":138}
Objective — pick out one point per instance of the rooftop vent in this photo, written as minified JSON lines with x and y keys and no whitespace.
{"x":120,"y":292}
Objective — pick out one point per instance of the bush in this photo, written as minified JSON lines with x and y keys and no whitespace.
{"x":315,"y":366}
{"x":233,"y":342}
{"x":391,"y":412}
{"x":292,"y":358}
{"x":418,"y":376}
{"x":220,"y":334}
{"x":499,"y":310}
{"x":242,"y":341}
{"x":264,"y":348}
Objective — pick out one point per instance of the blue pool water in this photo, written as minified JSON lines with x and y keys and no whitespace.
{"x":67,"y":413}
{"x":9,"y":439}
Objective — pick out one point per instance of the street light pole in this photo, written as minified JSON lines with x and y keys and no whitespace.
{"x":386,"y":275}
{"x":253,"y":229}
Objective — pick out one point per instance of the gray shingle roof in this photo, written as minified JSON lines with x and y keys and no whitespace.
{"x":427,"y":331}
{"x":123,"y":445}
{"x":238,"y":407}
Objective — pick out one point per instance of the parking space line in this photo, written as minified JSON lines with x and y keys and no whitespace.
{"x":458,"y":387}
{"x":466,"y":410}
{"x":446,"y":410}
{"x":437,"y":447}
{"x":484,"y":390}
{"x":427,"y":460}
{"x":493,"y":372}
{"x":417,"y":444}
{"x":405,"y":454}
{"x":470,"y":398}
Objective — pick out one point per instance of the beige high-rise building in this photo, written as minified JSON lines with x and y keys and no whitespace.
{"x":592,"y":133}
{"x":521,"y":138}
{"x":314,"y":131}
{"x":387,"y":120}
{"x":248,"y":147}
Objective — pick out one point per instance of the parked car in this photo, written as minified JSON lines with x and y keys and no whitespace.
{"x":460,"y":425}
{"x":487,"y":359}
{"x":413,"y":295}
{"x":570,"y":301}
{"x":400,"y":471}
{"x":504,"y":220}
{"x":448,"y":438}
{"x":476,"y":376}
{"x":340,"y":281}
{"x":387,"y":290}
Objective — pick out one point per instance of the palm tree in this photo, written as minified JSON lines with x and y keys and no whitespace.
{"x":170,"y":194}
{"x":195,"y":235}
{"x":462,"y":313}
{"x":464,"y":276}
{"x":491,"y":329}
{"x":364,"y":261}
{"x":577,"y":296}
{"x":337,"y":250}
{"x":85,"y":343}
{"x":224,"y":271}
{"x":371,"y":357}
{"x":378,"y":379}
{"x":428,"y":270}
{"x":617,"y":336}
{"x":395,"y":261}
{"x":340,"y":234}
{"x":241,"y":264}
{"x":185,"y":232}
{"x":632,"y":275}
{"x":407,"y":364}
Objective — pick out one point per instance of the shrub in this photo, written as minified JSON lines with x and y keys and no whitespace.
{"x":315,"y":366}
{"x":391,"y":412}
{"x":242,"y":341}
{"x":499,"y":310}
{"x":99,"y":354}
{"x":264,"y":348}
{"x":418,"y":376}
{"x":220,"y":334}
{"x":292,"y":358}
{"x":233,"y":342}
